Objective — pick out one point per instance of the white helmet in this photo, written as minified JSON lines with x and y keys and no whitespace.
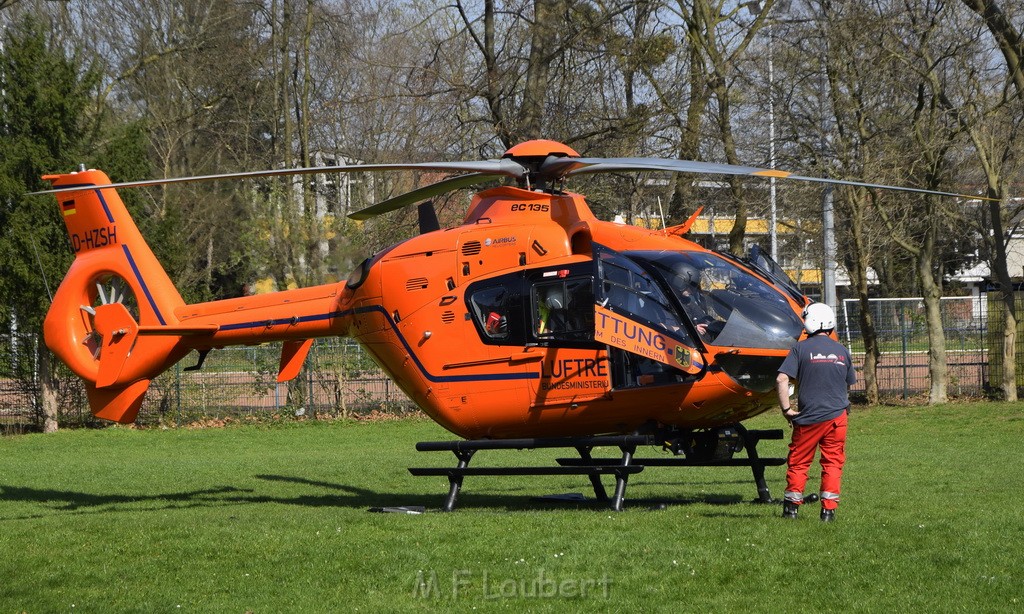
{"x":819,"y":317}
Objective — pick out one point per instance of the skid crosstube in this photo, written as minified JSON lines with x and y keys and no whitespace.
{"x":621,"y":468}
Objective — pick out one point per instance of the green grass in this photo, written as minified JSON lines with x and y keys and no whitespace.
{"x":273,"y":518}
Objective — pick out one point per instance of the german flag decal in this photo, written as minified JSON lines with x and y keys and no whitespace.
{"x":68,"y":207}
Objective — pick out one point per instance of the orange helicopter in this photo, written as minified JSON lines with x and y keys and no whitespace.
{"x":531,"y":324}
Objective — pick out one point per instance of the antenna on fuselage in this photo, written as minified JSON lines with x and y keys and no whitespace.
{"x":427,"y":217}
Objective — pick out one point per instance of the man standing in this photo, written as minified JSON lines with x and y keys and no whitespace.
{"x":824,"y":374}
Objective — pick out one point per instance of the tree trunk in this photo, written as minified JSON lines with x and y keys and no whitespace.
{"x":288,"y":225}
{"x":857,"y":263}
{"x":47,"y":387}
{"x":936,"y":337}
{"x":689,"y":140}
{"x":1009,"y":379}
{"x":871,"y":352}
{"x":739,"y":226}
{"x":544,"y":31}
{"x":998,"y":263}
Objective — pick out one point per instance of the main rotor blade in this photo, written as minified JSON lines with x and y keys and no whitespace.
{"x":579,"y":166}
{"x":881,"y":186}
{"x":503,"y":167}
{"x":434,"y":189}
{"x":612,"y":165}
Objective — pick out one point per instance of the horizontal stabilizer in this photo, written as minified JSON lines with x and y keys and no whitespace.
{"x":293,"y":354}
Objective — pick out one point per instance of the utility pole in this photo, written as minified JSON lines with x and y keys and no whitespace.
{"x":828,"y":272}
{"x":755,"y":9}
{"x":828,"y":265}
{"x":772,"y":232}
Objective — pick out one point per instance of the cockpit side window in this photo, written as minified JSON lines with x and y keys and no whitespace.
{"x":771,"y":269}
{"x":629,"y":291}
{"x":491,"y":309}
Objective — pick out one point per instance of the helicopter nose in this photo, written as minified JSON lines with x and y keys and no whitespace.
{"x":753,"y":372}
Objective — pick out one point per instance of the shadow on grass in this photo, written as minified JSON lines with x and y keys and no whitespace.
{"x":340,"y":496}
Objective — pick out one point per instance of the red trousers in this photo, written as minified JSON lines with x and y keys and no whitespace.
{"x":830,"y":436}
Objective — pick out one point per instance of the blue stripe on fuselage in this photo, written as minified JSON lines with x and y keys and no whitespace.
{"x":408,"y":348}
{"x":142,"y":282}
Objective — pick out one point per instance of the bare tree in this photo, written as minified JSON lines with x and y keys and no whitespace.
{"x":1008,"y":37}
{"x":926,"y":49}
{"x":994,"y":145}
{"x":187,"y":71}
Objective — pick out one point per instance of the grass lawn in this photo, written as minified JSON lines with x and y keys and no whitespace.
{"x":274,"y":518}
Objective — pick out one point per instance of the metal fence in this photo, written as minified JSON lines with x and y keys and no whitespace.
{"x":996,"y":311}
{"x":340,"y":379}
{"x":903,"y":342}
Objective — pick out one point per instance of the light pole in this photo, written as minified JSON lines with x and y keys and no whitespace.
{"x":755,"y":9}
{"x":828,"y":273}
{"x":772,"y":232}
{"x":828,"y":239}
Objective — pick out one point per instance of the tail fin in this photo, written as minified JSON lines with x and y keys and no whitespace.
{"x":114,"y":289}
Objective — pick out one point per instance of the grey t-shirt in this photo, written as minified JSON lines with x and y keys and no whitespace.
{"x":824,"y":371}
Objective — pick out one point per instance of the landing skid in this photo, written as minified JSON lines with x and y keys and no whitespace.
{"x":621,"y":468}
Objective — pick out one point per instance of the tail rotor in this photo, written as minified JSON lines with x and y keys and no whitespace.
{"x":110,"y":289}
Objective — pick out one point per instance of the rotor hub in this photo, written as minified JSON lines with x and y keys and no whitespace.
{"x":540,"y":148}
{"x":544,"y":161}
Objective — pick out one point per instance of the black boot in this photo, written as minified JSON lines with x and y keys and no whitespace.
{"x":790,"y":509}
{"x":828,"y":515}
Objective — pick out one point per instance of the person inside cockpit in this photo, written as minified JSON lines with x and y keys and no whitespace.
{"x":696,"y":304}
{"x":551,"y":310}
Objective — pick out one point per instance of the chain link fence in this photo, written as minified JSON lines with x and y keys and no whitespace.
{"x":340,"y":379}
{"x":996,"y":312}
{"x":973,"y":330}
{"x":902,"y":335}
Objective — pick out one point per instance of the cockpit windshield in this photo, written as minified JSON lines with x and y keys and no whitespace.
{"x":727,"y":305}
{"x":628,"y":289}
